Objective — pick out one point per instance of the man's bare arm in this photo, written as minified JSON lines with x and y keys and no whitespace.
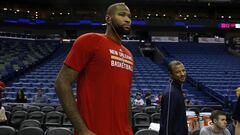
{"x":63,"y":86}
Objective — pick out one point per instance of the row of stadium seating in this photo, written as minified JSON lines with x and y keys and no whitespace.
{"x":31,"y":128}
{"x":44,"y":116}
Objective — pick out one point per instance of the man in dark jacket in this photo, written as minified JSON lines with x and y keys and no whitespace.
{"x":173,"y":119}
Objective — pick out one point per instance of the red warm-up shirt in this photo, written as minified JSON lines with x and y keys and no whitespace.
{"x":103,"y":86}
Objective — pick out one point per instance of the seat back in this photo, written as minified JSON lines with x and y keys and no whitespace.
{"x":7,"y":130}
{"x":18,"y":117}
{"x":47,"y":109}
{"x":146,"y":132}
{"x":155,"y":118}
{"x":137,"y":109}
{"x":30,"y":123}
{"x":17,"y":108}
{"x":54,"y":117}
{"x":33,"y":108}
{"x":59,"y":109}
{"x":150,"y":110}
{"x":66,"y":121}
{"x":31,"y":131}
{"x":37,"y":115}
{"x":58,"y":131}
{"x":141,"y":119}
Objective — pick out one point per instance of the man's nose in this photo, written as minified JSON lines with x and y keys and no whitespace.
{"x":182,"y":73}
{"x":128,"y":20}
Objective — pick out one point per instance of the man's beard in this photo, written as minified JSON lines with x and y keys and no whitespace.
{"x":120,"y":30}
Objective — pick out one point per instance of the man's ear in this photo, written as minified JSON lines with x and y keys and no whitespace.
{"x":108,"y":19}
{"x":214,"y":120}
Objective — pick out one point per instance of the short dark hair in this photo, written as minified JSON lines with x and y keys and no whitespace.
{"x":113,"y":7}
{"x":138,"y":93}
{"x":216,"y":113}
{"x":171,"y":63}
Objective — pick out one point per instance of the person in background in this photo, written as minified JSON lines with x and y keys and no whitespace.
{"x":20,"y":97}
{"x":147,"y":97}
{"x":40,"y":98}
{"x":159,"y":99}
{"x":138,"y":101}
{"x":218,"y":126}
{"x":173,"y":120}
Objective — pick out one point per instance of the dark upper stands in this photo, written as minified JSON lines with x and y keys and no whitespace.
{"x":18,"y":55}
{"x":42,"y":76}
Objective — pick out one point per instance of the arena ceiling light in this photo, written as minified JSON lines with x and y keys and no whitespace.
{"x":237,"y":26}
